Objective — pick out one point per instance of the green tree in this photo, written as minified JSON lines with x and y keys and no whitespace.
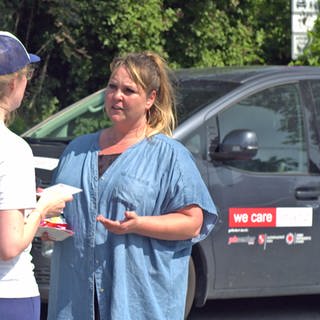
{"x":271,"y":21}
{"x":212,"y":33}
{"x":77,"y":40}
{"x":311,"y":54}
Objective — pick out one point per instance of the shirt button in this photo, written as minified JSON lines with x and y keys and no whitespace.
{"x":101,"y":290}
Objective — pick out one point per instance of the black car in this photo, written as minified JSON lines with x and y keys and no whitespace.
{"x":255,"y":135}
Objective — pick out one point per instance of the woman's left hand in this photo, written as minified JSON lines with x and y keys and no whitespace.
{"x":183,"y":224}
{"x":127,"y":225}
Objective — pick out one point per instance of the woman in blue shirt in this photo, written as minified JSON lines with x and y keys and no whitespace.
{"x":143,"y":206}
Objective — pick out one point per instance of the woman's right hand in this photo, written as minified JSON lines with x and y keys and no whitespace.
{"x":52,"y":202}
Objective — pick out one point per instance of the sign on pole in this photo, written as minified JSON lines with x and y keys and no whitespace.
{"x":303,"y":15}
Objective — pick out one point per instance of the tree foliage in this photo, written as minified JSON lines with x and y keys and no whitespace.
{"x":311,"y":53}
{"x":77,"y":39}
{"x":218,"y":36}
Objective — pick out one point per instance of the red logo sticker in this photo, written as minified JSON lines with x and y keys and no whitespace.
{"x":290,"y":238}
{"x":261,"y":239}
{"x":252,"y":217}
{"x":270,"y":217}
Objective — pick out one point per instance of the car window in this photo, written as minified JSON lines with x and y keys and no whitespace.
{"x":275,"y":116}
{"x":87,"y":122}
{"x":315,"y":86}
{"x":84,"y":116}
{"x":195,"y":142}
{"x":192,"y":95}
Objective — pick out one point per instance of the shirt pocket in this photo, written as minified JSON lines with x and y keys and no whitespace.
{"x":135,"y":194}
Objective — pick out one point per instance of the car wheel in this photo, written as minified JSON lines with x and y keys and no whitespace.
{"x":191,"y":288}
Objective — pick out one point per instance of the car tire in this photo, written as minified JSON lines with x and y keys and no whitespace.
{"x":191,"y":288}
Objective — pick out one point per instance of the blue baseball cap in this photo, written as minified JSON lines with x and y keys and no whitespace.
{"x":13,"y":54}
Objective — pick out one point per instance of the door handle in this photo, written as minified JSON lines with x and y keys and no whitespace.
{"x":307,"y":193}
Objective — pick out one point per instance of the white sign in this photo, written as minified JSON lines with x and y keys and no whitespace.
{"x":303,"y":22}
{"x":303,"y":15}
{"x":304,"y":5}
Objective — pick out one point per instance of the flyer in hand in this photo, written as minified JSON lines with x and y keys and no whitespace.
{"x":60,"y":186}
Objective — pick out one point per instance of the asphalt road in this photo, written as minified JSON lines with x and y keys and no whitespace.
{"x":276,"y":308}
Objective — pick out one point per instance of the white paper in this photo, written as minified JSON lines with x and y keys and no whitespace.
{"x":63,"y":187}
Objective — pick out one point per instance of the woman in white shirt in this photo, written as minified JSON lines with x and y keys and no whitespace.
{"x":20,"y":214}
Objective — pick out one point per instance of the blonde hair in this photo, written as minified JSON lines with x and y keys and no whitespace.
{"x":150,"y":71}
{"x":4,"y":81}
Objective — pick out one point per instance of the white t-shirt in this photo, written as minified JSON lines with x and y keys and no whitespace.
{"x":17,"y":191}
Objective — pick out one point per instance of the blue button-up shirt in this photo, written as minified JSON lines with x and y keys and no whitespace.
{"x":136,"y":277}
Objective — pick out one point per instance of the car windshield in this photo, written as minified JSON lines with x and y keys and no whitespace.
{"x":87,"y":115}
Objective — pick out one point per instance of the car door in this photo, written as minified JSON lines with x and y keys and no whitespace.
{"x":268,"y":240}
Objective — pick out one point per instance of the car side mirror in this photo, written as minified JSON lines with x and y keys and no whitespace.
{"x":240,"y":144}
